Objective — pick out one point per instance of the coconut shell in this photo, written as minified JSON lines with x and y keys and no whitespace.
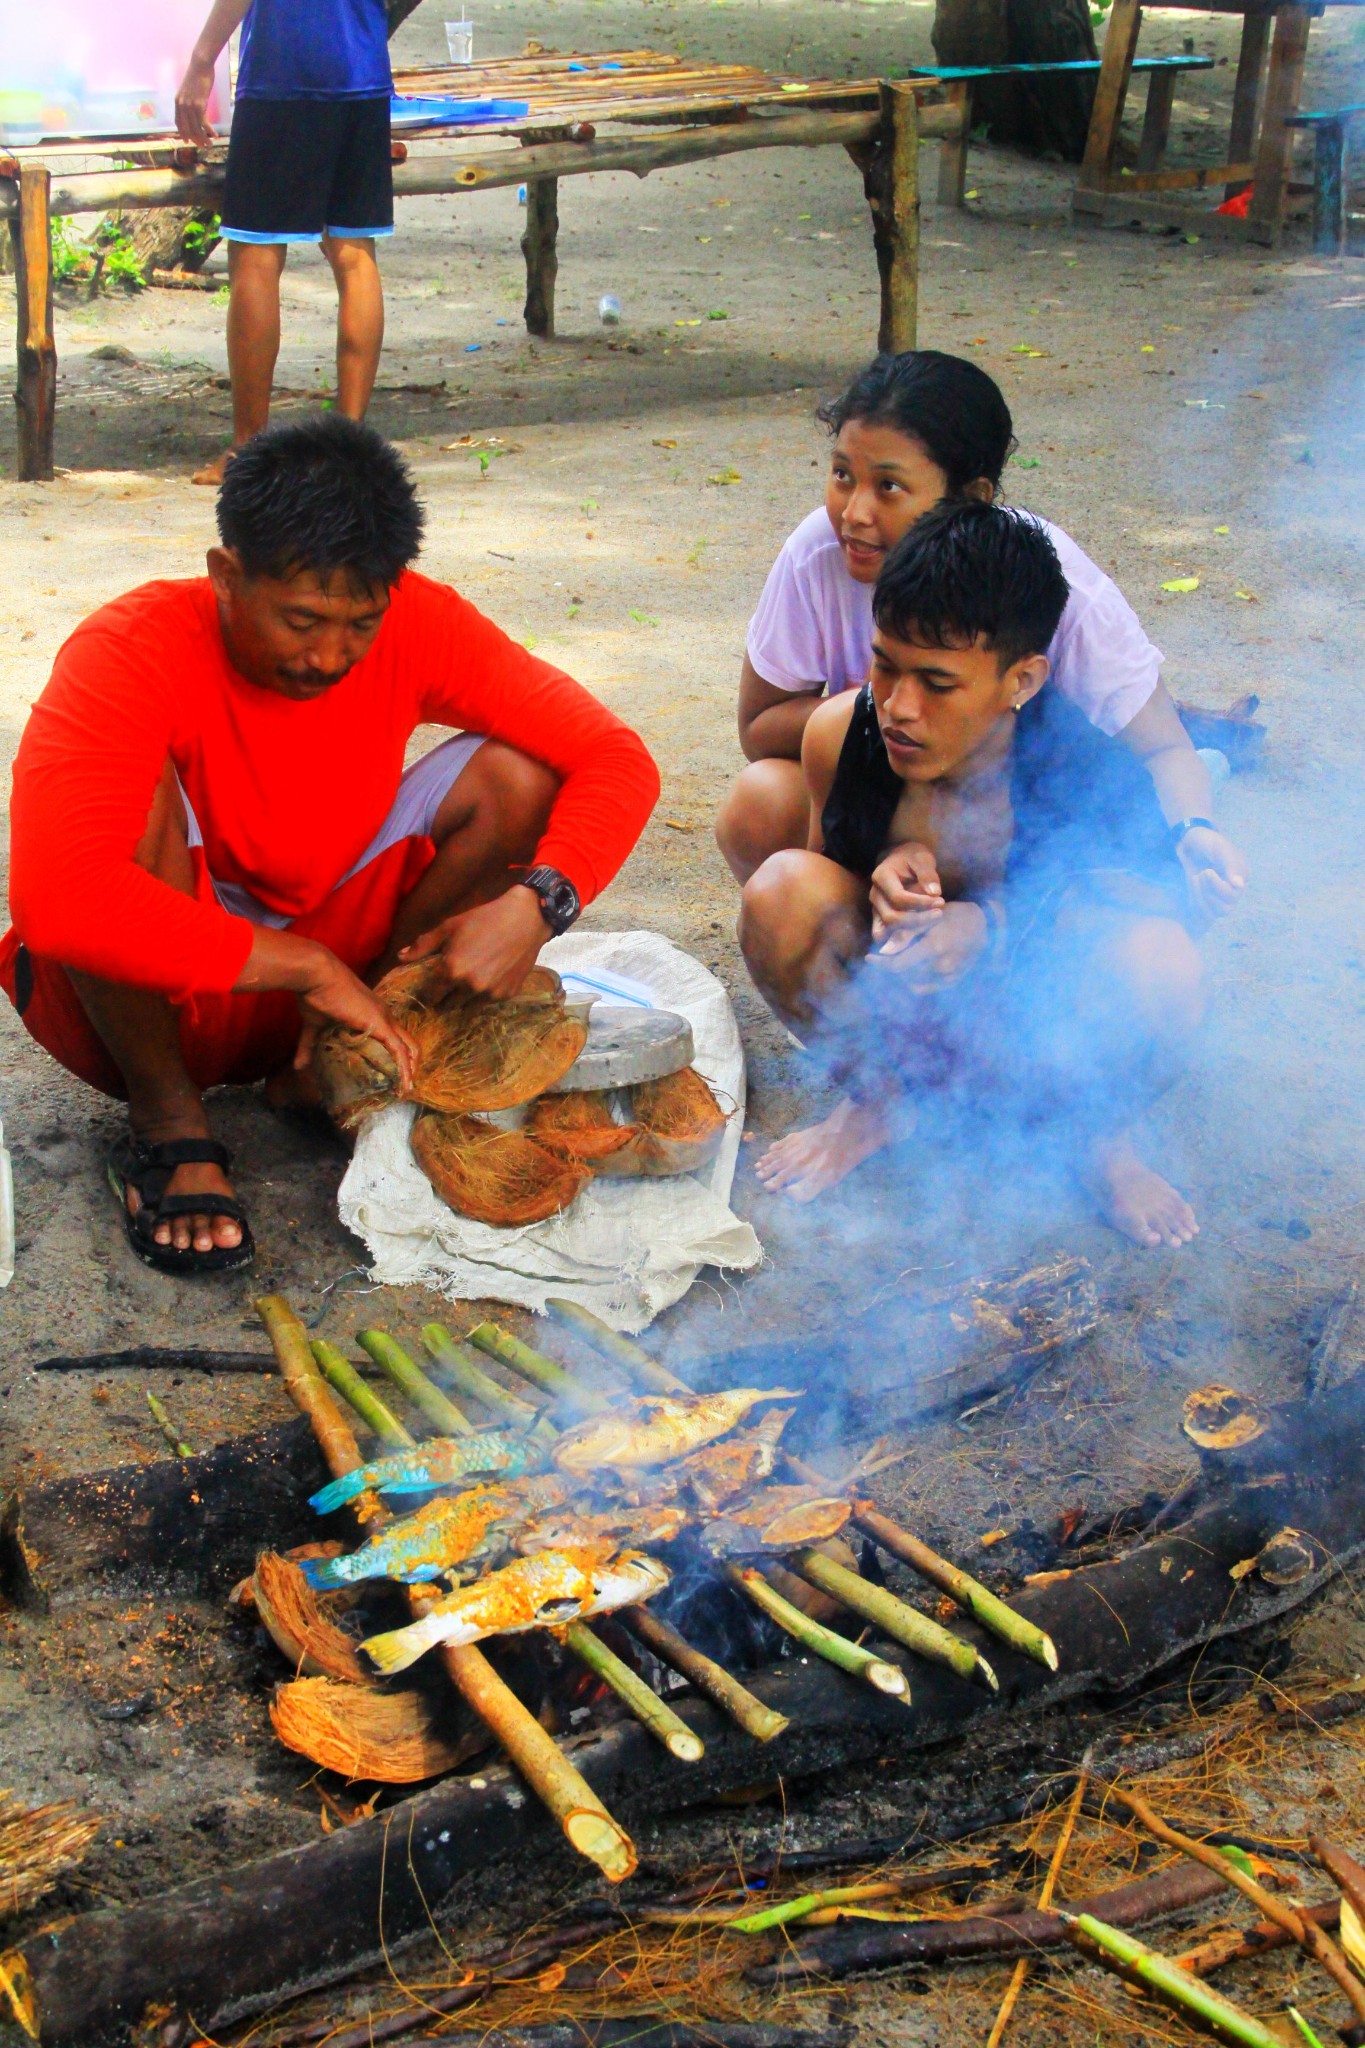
{"x":579,"y":1126}
{"x":679,"y":1126}
{"x":500,"y":1177}
{"x":301,"y":1628}
{"x":387,"y":1737}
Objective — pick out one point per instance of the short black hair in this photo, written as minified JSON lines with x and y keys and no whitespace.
{"x":325,"y":494}
{"x":953,"y":409}
{"x":968,"y":569}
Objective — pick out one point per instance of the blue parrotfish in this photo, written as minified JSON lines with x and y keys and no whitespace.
{"x":440,"y":1461}
{"x":443,"y":1534}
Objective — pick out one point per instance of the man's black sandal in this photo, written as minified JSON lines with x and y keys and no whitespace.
{"x":147,"y":1169}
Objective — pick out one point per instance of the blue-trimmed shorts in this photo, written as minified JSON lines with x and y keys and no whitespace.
{"x":299,"y":169}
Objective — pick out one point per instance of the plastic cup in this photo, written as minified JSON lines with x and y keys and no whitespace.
{"x":609,"y":310}
{"x":460,"y":41}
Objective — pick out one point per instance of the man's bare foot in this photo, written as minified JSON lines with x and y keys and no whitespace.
{"x":213,"y":472}
{"x":1138,"y":1202}
{"x":809,"y":1162}
{"x":293,"y":1088}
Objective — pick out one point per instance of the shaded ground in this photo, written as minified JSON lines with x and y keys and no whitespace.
{"x":1179,"y":388}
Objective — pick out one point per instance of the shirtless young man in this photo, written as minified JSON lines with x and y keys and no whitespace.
{"x":216,"y":848}
{"x":990,"y":890}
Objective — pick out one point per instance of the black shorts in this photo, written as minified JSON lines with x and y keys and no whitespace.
{"x":297,"y":169}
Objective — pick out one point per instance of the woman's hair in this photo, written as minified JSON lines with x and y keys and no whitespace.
{"x":954,"y":410}
{"x":969,"y":571}
{"x":326,"y":494}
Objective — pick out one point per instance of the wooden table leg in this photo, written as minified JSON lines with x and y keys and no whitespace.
{"x":1156,"y":122}
{"x":36,"y":391}
{"x":1116,"y":68}
{"x":538,"y":246}
{"x":890,"y":168}
{"x":1246,"y":94}
{"x":1329,"y":189}
{"x":1283,"y":86}
{"x":952,"y":155}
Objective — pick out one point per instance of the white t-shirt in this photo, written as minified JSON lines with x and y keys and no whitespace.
{"x":814,"y":625}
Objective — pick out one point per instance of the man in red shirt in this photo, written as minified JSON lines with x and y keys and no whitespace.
{"x":216,"y":849}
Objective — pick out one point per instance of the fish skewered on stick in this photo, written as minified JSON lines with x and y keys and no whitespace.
{"x":445,"y":1533}
{"x":440,"y":1461}
{"x":656,"y":1428}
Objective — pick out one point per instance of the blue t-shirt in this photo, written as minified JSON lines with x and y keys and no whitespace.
{"x":315,"y":50}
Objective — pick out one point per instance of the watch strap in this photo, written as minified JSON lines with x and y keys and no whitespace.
{"x":1185,"y":825}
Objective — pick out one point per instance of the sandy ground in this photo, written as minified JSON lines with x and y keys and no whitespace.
{"x":1183,"y":408}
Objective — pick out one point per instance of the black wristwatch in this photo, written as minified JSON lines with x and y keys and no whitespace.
{"x":556,"y":895}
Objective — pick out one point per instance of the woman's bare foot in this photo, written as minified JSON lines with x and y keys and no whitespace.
{"x":809,"y":1162}
{"x":1138,"y":1202}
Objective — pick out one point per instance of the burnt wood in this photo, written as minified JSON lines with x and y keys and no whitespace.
{"x":246,"y":1939}
{"x":159,"y":1358}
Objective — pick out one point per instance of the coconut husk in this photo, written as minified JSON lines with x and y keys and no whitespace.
{"x":679,"y":1127}
{"x":384,"y":1736}
{"x":472,"y":1052}
{"x":500,"y":1177}
{"x":300,"y":1625}
{"x":579,"y":1126}
{"x":37,"y":1844}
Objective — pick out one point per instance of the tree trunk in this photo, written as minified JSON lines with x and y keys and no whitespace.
{"x":1047,"y":115}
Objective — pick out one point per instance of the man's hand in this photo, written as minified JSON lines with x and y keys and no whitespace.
{"x":331,"y":994}
{"x":490,"y":950}
{"x":192,"y":99}
{"x":905,"y":882}
{"x":1216,"y":870}
{"x":933,"y":947}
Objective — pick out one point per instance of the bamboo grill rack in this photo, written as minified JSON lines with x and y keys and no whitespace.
{"x":662,"y":112}
{"x":566,"y":1390}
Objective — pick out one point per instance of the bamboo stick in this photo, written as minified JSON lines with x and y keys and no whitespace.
{"x":906,"y":1624}
{"x":341,"y":1374}
{"x":1304,"y":1931}
{"x":821,"y":1641}
{"x":1150,"y":1971}
{"x":636,"y":1363}
{"x":167,"y":1427}
{"x":585,"y":1820}
{"x":533,"y":1365}
{"x":1313,"y":2040}
{"x":762,"y":1722}
{"x":649,"y":1710}
{"x":427,"y":1398}
{"x":1019,"y":1975}
{"x":809,"y":1600}
{"x":470,"y":1377}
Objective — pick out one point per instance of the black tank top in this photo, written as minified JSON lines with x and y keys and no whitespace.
{"x":1081,"y":801}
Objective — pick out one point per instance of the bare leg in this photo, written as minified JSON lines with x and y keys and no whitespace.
{"x":803,"y":924}
{"x":253,"y":341}
{"x":766,"y":811}
{"x":360,"y":321}
{"x":142,"y":1033}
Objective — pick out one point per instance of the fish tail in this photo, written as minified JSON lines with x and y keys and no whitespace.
{"x":399,"y":1647}
{"x":325,"y":1574}
{"x":337,"y":1492}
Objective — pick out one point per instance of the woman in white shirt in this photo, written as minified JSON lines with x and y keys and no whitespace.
{"x":911,"y":431}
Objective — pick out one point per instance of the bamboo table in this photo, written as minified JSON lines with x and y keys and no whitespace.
{"x":1265,"y":99}
{"x":661,"y":112}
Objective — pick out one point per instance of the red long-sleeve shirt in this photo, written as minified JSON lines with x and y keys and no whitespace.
{"x":288,"y":794}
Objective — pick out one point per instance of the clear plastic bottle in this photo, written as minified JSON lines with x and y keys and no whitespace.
{"x":6,"y":1214}
{"x":609,"y":310}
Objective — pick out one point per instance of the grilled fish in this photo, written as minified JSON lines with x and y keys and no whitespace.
{"x":446,"y":1532}
{"x":569,"y":1531}
{"x":440,"y":1461}
{"x":777,"y":1518}
{"x":656,"y":1429}
{"x":720,"y":1471}
{"x":545,"y":1591}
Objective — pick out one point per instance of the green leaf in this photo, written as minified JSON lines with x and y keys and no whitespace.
{"x":1027,"y":462}
{"x":1238,"y":1858}
{"x":1180,"y":584}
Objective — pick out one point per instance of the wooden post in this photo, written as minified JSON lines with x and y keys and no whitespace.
{"x":1329,"y":188}
{"x":1246,"y":94}
{"x":542,"y":261}
{"x":1156,"y":122}
{"x":952,"y":155}
{"x":891,"y":181}
{"x":1283,"y":85}
{"x":36,"y":391}
{"x":1116,"y":68}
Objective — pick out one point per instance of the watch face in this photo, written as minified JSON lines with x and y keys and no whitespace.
{"x":561,"y":900}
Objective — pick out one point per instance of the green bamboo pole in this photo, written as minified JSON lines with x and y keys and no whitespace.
{"x":470,"y":1377}
{"x":1313,"y":2040}
{"x":533,"y":1365}
{"x":1153,"y":1972}
{"x":167,"y":1427}
{"x":983,"y":1605}
{"x":819,"y":1640}
{"x":906,"y":1624}
{"x":341,"y":1374}
{"x":649,"y":1710}
{"x":637,"y":1364}
{"x":409,"y":1378}
{"x":763,"y":1723}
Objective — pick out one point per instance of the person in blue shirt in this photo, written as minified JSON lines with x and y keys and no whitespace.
{"x":308,"y":161}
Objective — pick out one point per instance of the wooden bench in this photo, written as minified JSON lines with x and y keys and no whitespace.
{"x":960,"y":79}
{"x":1331,"y":133}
